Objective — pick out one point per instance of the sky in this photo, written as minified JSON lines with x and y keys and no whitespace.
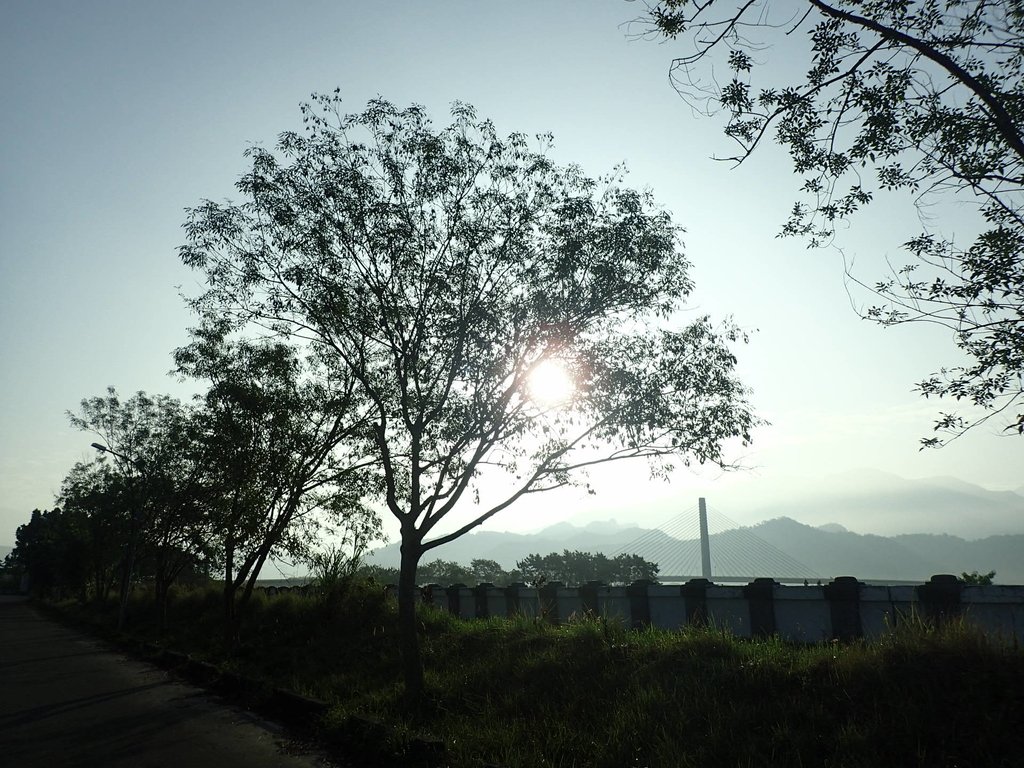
{"x":117,"y":116}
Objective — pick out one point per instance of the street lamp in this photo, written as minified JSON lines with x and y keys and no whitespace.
{"x":105,"y":449}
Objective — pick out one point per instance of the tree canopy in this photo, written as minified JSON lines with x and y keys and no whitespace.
{"x":278,"y":457}
{"x":923,"y":97}
{"x":146,"y":438}
{"x":439,"y":270}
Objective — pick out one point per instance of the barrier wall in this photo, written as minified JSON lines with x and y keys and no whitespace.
{"x":843,"y":609}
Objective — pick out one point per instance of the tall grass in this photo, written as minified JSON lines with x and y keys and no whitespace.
{"x":521,"y":692}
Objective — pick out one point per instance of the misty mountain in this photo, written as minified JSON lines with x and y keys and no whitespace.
{"x":781,"y":547}
{"x":906,"y":557}
{"x":869,"y":501}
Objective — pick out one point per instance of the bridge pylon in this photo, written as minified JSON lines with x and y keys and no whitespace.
{"x":705,"y":540}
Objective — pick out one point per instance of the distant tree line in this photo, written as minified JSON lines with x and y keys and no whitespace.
{"x":569,"y":567}
{"x":575,"y":567}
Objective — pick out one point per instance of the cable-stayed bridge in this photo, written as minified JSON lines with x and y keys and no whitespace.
{"x":704,"y":543}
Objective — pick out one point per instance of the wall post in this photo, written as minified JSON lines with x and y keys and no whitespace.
{"x":639,"y":606}
{"x":429,"y":593}
{"x":549,"y":601}
{"x":940,"y":597}
{"x":695,"y":598}
{"x":588,"y":595}
{"x":481,"y":611}
{"x":843,"y":595}
{"x":760,"y":595}
{"x":453,"y":591}
{"x":512,"y":598}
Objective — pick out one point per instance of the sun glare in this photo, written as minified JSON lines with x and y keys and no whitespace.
{"x":550,"y":383}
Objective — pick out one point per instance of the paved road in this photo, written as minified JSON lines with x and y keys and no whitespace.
{"x":67,"y":700}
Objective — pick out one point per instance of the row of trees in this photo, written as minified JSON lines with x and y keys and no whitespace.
{"x":65,"y":553}
{"x":569,"y":567}
{"x":252,"y":470}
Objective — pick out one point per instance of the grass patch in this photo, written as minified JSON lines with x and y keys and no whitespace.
{"x":521,"y":692}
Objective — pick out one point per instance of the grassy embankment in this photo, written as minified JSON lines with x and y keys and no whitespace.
{"x":592,"y":693}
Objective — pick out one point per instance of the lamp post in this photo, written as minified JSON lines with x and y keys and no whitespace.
{"x":133,"y":533}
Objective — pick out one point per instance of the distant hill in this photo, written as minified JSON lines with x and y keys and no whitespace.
{"x":869,"y":501}
{"x":825,"y":552}
{"x":908,"y":557}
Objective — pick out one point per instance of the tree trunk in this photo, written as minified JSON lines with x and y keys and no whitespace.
{"x":412,"y":664}
{"x":166,"y":575}
{"x":160,"y":586}
{"x":126,"y":583}
{"x":250,"y":582}
{"x":97,"y":586}
{"x":230,"y":633}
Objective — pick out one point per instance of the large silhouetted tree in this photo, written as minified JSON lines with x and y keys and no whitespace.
{"x":440,"y":269}
{"x":921,"y":96}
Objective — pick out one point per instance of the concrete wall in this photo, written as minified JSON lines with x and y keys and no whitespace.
{"x":842,"y":609}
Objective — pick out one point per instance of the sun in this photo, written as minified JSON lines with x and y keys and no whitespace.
{"x":550,"y":383}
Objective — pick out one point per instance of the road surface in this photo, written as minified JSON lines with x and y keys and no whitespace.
{"x":68,"y":700}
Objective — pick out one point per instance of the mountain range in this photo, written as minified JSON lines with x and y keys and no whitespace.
{"x":863,"y":523}
{"x":871,"y":501}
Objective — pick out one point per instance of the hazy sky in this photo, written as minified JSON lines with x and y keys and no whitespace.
{"x":116,"y":116}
